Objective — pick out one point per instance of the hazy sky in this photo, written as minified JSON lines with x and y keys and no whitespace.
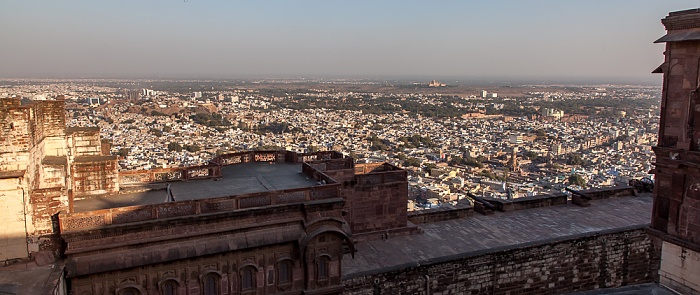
{"x":239,"y":39}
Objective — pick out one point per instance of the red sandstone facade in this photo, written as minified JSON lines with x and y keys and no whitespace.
{"x":278,"y":242}
{"x":376,"y":196}
{"x":676,"y":215}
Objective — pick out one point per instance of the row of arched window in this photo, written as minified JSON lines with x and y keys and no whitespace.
{"x":211,"y":282}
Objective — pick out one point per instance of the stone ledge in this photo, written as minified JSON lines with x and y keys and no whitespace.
{"x":409,"y":229}
{"x":442,"y":213}
{"x":528,"y":202}
{"x":494,"y":250}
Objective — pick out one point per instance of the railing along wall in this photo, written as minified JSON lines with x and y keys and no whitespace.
{"x":213,"y":170}
{"x":273,"y":156}
{"x":169,"y":174}
{"x":327,"y":189}
{"x":100,"y":218}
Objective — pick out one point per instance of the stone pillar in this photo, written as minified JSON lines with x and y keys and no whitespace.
{"x":676,"y":213}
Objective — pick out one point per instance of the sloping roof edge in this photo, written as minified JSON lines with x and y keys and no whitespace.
{"x":659,"y":69}
{"x":679,"y":37}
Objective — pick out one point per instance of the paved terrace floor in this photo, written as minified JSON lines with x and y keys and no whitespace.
{"x":482,"y":232}
{"x":28,"y":278}
{"x":236,"y":179}
{"x":641,"y":289}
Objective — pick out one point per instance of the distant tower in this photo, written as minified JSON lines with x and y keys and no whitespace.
{"x":676,"y":213}
{"x":556,"y":149}
{"x":513,"y":162}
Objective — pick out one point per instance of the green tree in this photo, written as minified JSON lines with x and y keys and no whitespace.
{"x":574,"y":159}
{"x":575,"y":179}
{"x":156,"y":132}
{"x":174,"y":147}
{"x":531,"y":155}
{"x":400,"y":156}
{"x":428,"y":167}
{"x":192,"y":148}
{"x":377,"y":127}
{"x":123,"y":152}
{"x":470,"y":161}
{"x":411,"y":162}
{"x":541,"y":134}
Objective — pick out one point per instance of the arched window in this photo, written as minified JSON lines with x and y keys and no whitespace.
{"x":210,"y":284}
{"x":284,"y":272}
{"x":322,"y":265}
{"x":129,"y":291}
{"x":169,"y":287}
{"x":247,"y":278}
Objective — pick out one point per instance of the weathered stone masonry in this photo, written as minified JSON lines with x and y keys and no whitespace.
{"x":676,"y":213}
{"x":603,"y":260}
{"x":43,"y":165}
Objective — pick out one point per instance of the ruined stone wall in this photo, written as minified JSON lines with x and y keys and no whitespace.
{"x":96,"y":176}
{"x":42,"y":225}
{"x":53,"y":120}
{"x":54,"y":146}
{"x":52,"y":173}
{"x":84,"y":142}
{"x":7,"y":102}
{"x":13,"y":242}
{"x":49,"y":153}
{"x":47,"y":119}
{"x":612,"y":259}
{"x":33,"y":140}
{"x":15,"y":140}
{"x":30,"y":134}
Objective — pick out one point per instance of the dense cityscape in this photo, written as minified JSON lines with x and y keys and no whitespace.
{"x":350,"y":148}
{"x":495,"y":141}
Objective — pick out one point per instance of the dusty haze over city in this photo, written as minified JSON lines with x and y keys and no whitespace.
{"x":533,"y":41}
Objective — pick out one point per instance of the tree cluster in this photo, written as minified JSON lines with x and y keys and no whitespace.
{"x":210,"y":120}
{"x":469,"y":161}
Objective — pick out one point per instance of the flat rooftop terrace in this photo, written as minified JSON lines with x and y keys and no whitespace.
{"x":445,"y":240}
{"x":236,"y":179}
